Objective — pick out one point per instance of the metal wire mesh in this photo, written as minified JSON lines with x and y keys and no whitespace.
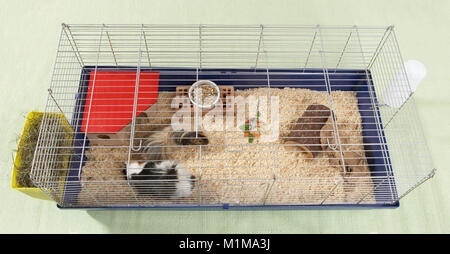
{"x":116,"y":85}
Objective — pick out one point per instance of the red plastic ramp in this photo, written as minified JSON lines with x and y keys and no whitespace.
{"x":110,"y":99}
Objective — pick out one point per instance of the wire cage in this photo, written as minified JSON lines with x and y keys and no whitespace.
{"x":306,"y":116}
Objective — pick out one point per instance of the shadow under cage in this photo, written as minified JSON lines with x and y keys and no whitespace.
{"x":302,"y":118}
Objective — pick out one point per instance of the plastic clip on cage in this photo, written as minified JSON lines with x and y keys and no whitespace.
{"x":307,"y":125}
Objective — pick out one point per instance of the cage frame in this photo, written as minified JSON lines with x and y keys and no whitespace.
{"x":73,"y":56}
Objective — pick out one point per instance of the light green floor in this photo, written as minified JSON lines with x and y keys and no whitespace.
{"x":28,"y":39}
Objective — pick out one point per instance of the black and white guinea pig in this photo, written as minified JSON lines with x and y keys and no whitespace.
{"x":164,"y":179}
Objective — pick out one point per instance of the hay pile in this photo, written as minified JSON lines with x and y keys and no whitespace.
{"x":236,"y":172}
{"x":55,"y":134}
{"x":26,"y":151}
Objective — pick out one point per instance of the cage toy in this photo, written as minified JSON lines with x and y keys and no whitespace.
{"x":308,"y":124}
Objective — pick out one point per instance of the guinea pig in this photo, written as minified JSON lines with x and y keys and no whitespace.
{"x":160,"y":179}
{"x":152,"y":171}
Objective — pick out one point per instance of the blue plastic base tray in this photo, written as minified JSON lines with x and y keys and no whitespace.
{"x":345,"y":80}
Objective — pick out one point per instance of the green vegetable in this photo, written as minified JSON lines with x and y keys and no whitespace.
{"x":245,"y":127}
{"x":250,"y":138}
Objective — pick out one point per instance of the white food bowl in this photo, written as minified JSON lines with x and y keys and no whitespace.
{"x":196,"y":88}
